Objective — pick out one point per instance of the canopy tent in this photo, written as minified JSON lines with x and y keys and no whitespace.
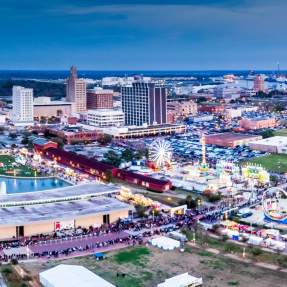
{"x":71,"y":276}
{"x":165,"y":243}
{"x":99,"y":256}
{"x":182,"y":280}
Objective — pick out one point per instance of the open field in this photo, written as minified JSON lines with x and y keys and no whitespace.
{"x":273,"y":162}
{"x":8,"y":167}
{"x":147,"y":266}
{"x":282,"y":133}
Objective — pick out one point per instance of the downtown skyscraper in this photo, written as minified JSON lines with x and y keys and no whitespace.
{"x":144,"y":103}
{"x":76,"y":91}
{"x":22,"y":100}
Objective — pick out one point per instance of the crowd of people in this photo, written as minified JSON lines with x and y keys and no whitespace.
{"x":81,"y":239}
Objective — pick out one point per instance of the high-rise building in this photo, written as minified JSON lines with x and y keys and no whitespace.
{"x":144,"y":103}
{"x":259,"y":84}
{"x":76,"y":91}
{"x":99,"y":98}
{"x":22,"y":100}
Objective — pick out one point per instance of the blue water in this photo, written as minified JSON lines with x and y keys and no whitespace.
{"x":29,"y":185}
{"x":29,"y":74}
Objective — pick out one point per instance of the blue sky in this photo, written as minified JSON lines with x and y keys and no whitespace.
{"x":143,"y":35}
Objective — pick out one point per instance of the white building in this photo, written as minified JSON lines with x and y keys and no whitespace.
{"x":182,"y":280}
{"x":233,"y":113}
{"x":105,"y":118}
{"x":71,"y":276}
{"x":277,"y":144}
{"x":22,"y":101}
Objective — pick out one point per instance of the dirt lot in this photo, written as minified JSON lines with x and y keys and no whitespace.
{"x":149,"y":266}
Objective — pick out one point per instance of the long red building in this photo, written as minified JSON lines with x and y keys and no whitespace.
{"x":101,"y":170}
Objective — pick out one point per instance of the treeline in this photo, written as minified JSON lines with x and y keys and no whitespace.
{"x":41,"y":89}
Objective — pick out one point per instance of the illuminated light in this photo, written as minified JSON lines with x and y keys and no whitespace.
{"x":160,"y":152}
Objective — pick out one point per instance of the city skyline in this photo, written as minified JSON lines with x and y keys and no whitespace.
{"x":143,"y":35}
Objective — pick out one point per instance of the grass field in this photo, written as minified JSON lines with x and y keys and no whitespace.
{"x":282,"y":133}
{"x":8,"y":167}
{"x":274,"y":162}
{"x":148,"y":266}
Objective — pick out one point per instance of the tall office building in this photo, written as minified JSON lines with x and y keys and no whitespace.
{"x":144,"y":103}
{"x":259,"y":84}
{"x":22,"y":100}
{"x":76,"y":91}
{"x":99,"y":98}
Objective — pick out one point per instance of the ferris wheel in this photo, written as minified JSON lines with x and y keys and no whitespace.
{"x":160,"y":152}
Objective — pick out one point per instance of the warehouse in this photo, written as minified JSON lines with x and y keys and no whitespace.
{"x":231,"y":139}
{"x":26,"y":215}
{"x":276,"y":144}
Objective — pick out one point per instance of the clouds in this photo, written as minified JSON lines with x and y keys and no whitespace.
{"x":142,"y":34}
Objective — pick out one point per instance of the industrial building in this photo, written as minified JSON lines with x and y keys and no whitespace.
{"x":257,"y":123}
{"x":275,"y":144}
{"x":231,"y":139}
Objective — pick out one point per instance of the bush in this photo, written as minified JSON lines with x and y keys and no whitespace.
{"x":27,"y":278}
{"x":213,"y":197}
{"x":141,"y":210}
{"x":14,"y":261}
{"x":282,"y":261}
{"x":230,"y":247}
{"x":7,"y":270}
{"x":256,"y":251}
{"x":224,"y":238}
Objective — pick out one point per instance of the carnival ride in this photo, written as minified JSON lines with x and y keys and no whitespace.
{"x":274,"y":203}
{"x":160,"y":153}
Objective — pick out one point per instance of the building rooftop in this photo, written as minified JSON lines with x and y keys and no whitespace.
{"x":231,"y":136}
{"x":103,"y":112}
{"x":67,"y":210}
{"x":71,"y":276}
{"x":46,"y":101}
{"x":273,"y":141}
{"x":258,"y":118}
{"x":75,"y":192}
{"x":181,"y":280}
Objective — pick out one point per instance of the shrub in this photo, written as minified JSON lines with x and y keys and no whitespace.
{"x":256,"y":251}
{"x":14,"y":261}
{"x":282,"y":261}
{"x":7,"y":270}
{"x":224,"y":238}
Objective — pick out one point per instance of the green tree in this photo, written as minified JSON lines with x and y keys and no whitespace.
{"x":141,"y":153}
{"x":279,"y":108}
{"x":105,"y":139}
{"x":112,"y":158}
{"x":141,"y":210}
{"x":190,"y":202}
{"x":25,"y":141}
{"x":201,"y":100}
{"x":267,"y":134}
{"x":127,"y":155}
{"x":59,"y":141}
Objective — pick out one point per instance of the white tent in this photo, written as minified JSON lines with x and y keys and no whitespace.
{"x":165,"y":243}
{"x":255,"y":240}
{"x":71,"y":276}
{"x":275,"y":244}
{"x":182,"y":280}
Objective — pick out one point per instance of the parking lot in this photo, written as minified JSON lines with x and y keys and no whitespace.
{"x":188,"y":148}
